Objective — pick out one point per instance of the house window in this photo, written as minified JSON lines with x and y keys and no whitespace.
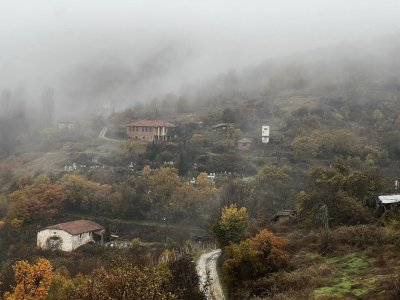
{"x":80,"y":236}
{"x":90,"y":234}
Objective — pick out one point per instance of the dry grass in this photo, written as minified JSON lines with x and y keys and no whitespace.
{"x":359,"y":262}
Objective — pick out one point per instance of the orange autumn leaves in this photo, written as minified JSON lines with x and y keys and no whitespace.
{"x":32,"y":280}
{"x":254,"y":257}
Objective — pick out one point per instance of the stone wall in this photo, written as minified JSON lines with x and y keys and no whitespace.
{"x":62,"y":240}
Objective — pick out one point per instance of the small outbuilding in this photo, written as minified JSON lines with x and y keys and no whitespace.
{"x":244,"y":144}
{"x":70,"y":235}
{"x":65,"y":125}
{"x":284,"y":216}
{"x":223,"y":126}
{"x":388,"y":201}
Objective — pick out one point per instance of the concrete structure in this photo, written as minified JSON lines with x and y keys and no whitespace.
{"x":265,"y":134}
{"x":150,"y":130}
{"x":244,"y":144}
{"x":69,"y":236}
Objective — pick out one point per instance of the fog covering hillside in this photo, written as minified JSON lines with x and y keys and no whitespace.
{"x":299,"y":217}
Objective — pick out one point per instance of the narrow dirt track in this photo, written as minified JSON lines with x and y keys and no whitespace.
{"x":207,"y":270}
{"x":102,"y":135}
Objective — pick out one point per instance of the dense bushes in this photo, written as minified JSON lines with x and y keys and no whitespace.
{"x":123,"y":278}
{"x":253,"y":258}
{"x":336,"y":196}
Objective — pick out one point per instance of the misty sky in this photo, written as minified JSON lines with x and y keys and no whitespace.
{"x":161,"y":45}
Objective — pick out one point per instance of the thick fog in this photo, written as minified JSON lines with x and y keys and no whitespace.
{"x":95,"y":51}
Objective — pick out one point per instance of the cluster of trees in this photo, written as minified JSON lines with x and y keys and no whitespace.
{"x":155,"y":194}
{"x":338,"y":196}
{"x":244,"y":258}
{"x":271,"y":190}
{"x":122,"y":279}
{"x":169,"y":194}
{"x":339,"y":143}
{"x":45,"y":199}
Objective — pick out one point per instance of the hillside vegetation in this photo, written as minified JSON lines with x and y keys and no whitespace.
{"x":334,"y":146}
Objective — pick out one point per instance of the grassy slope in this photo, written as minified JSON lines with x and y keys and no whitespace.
{"x":368,"y":270}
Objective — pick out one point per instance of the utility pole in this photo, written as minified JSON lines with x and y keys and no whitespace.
{"x":165,"y":230}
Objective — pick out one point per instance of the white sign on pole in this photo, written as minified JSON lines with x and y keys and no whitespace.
{"x":265,"y":134}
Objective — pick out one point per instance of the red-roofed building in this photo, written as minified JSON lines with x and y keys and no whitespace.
{"x":244,"y":144}
{"x":70,"y":235}
{"x":150,"y":130}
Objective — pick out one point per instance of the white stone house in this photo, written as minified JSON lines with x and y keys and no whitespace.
{"x":69,"y":236}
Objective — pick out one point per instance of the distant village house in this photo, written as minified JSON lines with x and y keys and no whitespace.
{"x":244,"y":144}
{"x":69,"y":236}
{"x":150,"y":130}
{"x":223,"y":126}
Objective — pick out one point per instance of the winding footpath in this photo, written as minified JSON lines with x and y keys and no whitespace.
{"x":207,"y":271}
{"x":102,"y":135}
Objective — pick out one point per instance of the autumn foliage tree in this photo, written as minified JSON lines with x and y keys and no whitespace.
{"x":163,"y":184}
{"x":232,"y":225}
{"x":169,"y":194}
{"x":90,"y":196}
{"x":40,"y":201}
{"x":32,"y":280}
{"x":254,"y":257}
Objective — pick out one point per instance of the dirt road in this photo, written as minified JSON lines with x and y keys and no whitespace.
{"x":102,"y":135}
{"x":207,"y":270}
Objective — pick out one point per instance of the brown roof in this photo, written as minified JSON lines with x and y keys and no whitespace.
{"x":77,"y":227}
{"x":151,"y":123}
{"x":283,"y":213}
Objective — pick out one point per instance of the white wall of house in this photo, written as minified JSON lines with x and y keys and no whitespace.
{"x":68,"y":242}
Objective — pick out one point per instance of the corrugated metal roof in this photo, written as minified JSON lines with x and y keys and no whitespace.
{"x":77,"y":227}
{"x":222,"y":125}
{"x":388,"y":199}
{"x":151,"y":123}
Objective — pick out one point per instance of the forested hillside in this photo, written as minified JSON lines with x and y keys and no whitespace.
{"x":334,"y":147}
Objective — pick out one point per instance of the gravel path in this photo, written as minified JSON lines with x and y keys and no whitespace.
{"x":207,"y":270}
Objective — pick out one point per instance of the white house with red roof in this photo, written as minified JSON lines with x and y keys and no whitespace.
{"x":150,"y":130}
{"x":70,"y":235}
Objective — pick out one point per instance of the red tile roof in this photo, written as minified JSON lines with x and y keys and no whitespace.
{"x":77,"y":227}
{"x":151,"y":123}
